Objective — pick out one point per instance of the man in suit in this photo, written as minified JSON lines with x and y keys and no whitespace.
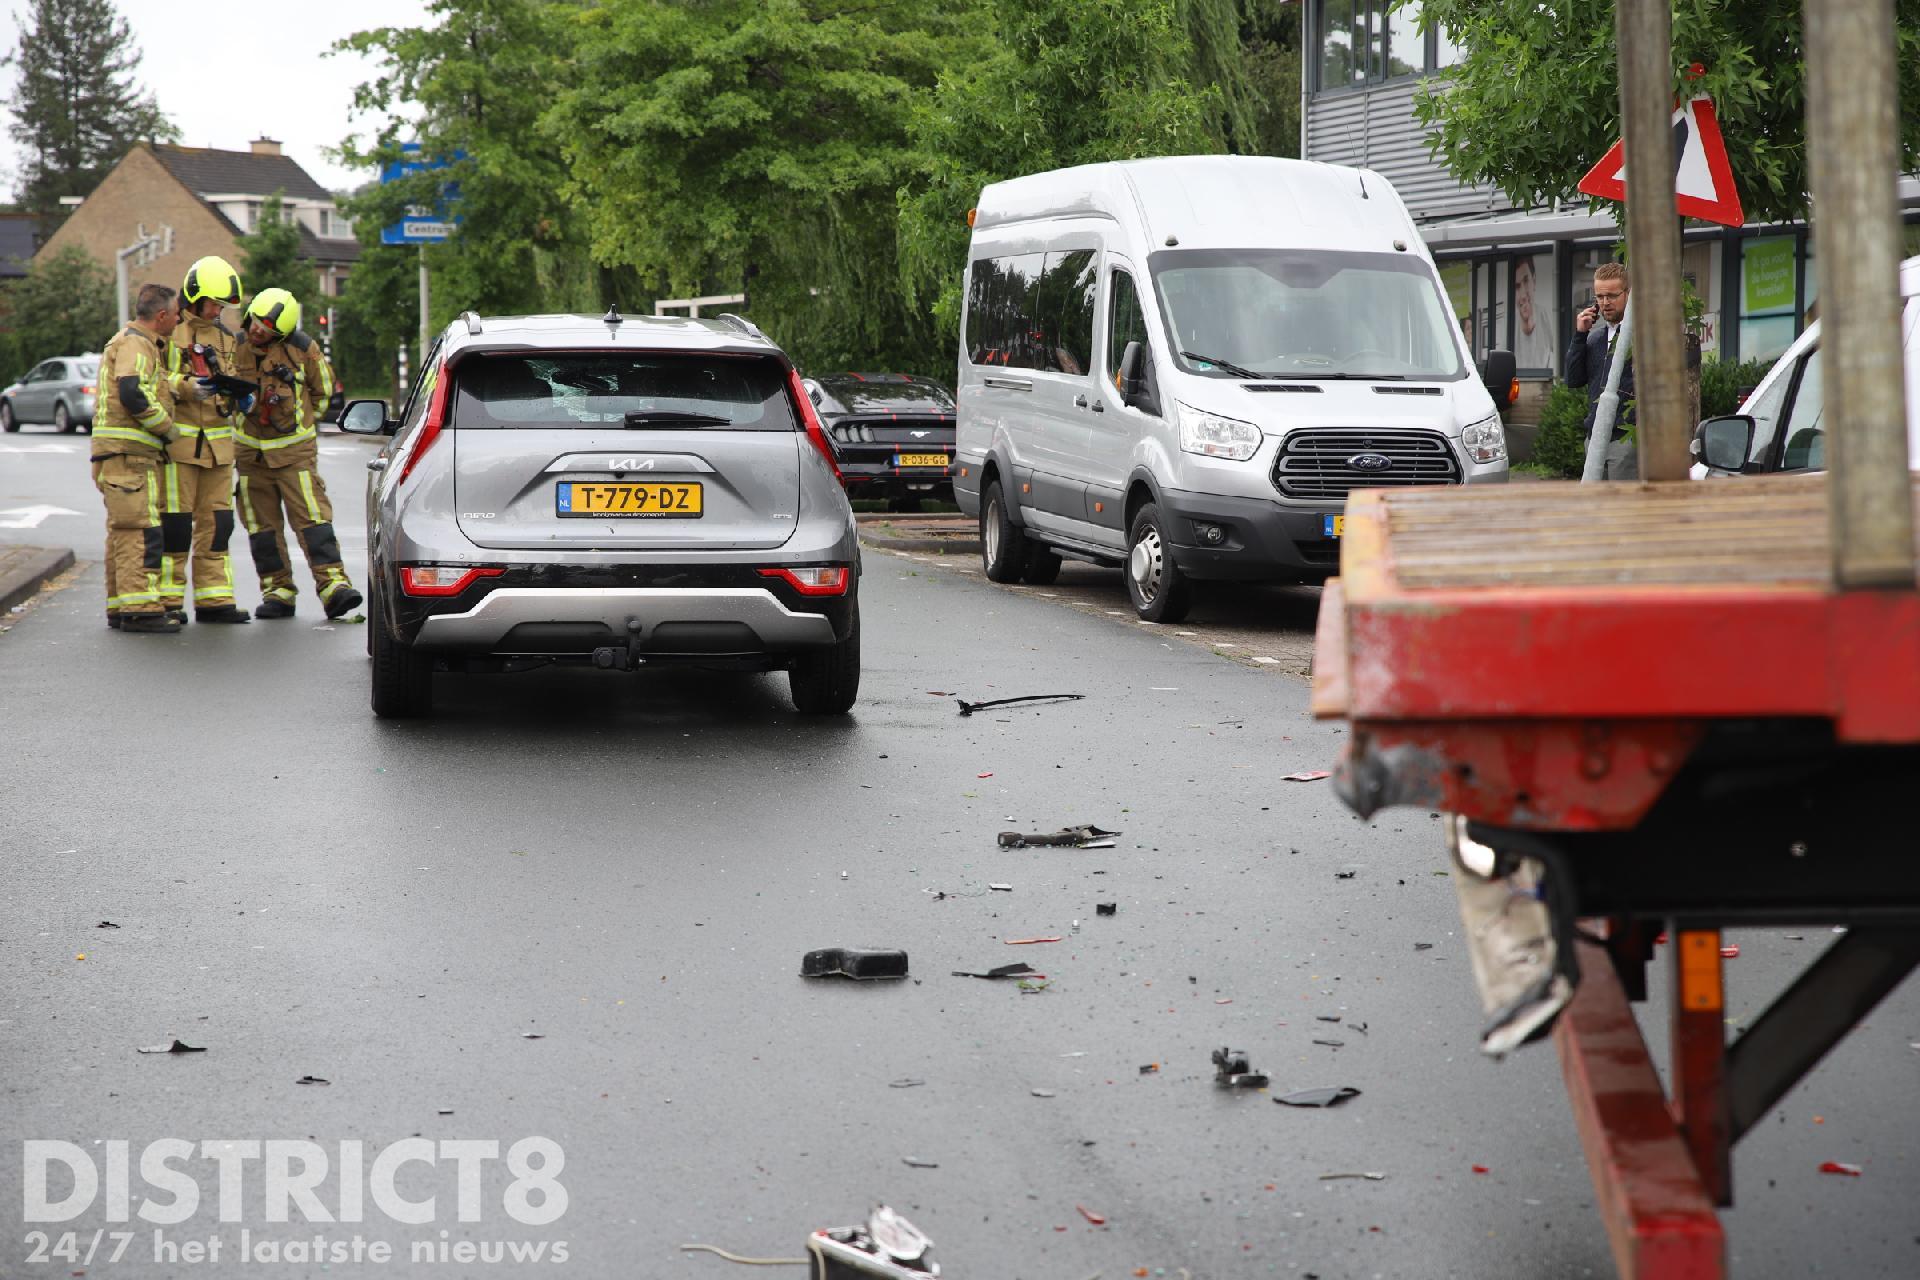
{"x":1596,"y":331}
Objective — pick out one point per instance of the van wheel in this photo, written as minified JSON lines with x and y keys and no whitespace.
{"x":1043,"y":566}
{"x":1003,"y":548}
{"x":827,"y":681}
{"x":1159,"y":591}
{"x":402,"y":677}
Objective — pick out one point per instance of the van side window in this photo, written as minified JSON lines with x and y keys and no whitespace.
{"x":1001,"y":328}
{"x":1065,"y":309}
{"x":1125,"y":323}
{"x":1806,"y":437}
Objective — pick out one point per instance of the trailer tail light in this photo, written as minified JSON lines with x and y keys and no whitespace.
{"x":820,"y":580}
{"x":442,"y":579}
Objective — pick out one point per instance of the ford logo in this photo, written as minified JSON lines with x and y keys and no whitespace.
{"x":1370,"y":462}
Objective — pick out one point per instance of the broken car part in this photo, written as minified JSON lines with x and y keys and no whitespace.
{"x":1004,"y":971}
{"x":1082,"y":837}
{"x":1318,"y":1097}
{"x":888,"y":1247}
{"x":1523,"y":968}
{"x":968,"y":708}
{"x":1231,"y":1068}
{"x":862,"y":963}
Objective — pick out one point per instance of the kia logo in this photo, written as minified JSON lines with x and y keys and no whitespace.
{"x":1370,"y":462}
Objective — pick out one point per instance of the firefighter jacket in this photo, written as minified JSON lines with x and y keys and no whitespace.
{"x":135,"y":413}
{"x":295,"y":385}
{"x":201,"y":348}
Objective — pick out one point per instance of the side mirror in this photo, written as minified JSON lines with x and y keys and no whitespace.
{"x":364,"y":417}
{"x":1498,"y":373}
{"x":1133,"y":379}
{"x":1725,"y":442}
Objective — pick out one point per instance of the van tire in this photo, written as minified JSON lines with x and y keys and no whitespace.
{"x":826,"y":682}
{"x":402,"y":676}
{"x":1043,"y":566}
{"x":1003,"y":548}
{"x":1159,"y":591}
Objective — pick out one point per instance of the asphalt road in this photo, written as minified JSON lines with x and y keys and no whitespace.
{"x":631,"y":867}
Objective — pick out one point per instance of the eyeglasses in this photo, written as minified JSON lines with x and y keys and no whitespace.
{"x":1609,"y":297}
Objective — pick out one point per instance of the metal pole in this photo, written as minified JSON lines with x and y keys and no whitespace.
{"x":426,"y":329}
{"x":1853,"y":149}
{"x":120,"y":286}
{"x":1644,"y":30}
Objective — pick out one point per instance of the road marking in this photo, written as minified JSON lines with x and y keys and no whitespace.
{"x":30,"y":517}
{"x":36,"y":448}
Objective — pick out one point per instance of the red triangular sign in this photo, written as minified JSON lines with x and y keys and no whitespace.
{"x":1702,"y":179}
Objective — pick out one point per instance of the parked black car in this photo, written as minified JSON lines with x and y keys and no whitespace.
{"x":893,"y":432}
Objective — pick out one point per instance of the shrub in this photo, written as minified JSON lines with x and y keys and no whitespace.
{"x":1720,"y":382}
{"x":1561,"y":446}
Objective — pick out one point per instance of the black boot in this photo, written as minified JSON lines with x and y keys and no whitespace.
{"x":274,"y":607}
{"x":220,"y":613}
{"x":158,"y":624}
{"x":342,"y":601}
{"x":113,"y":621}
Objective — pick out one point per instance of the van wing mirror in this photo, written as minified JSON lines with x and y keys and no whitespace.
{"x":1726,"y":442}
{"x":1498,"y":373}
{"x":1134,"y":392}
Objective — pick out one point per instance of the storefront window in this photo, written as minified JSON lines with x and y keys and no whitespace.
{"x":1768,"y":297}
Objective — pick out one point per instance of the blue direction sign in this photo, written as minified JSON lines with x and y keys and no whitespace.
{"x":421,"y":225}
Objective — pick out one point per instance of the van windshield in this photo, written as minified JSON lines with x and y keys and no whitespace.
{"x":1289,"y":313}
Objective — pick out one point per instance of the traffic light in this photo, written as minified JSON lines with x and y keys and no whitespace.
{"x":325,"y":321}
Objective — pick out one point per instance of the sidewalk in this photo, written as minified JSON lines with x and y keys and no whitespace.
{"x":23,"y":570}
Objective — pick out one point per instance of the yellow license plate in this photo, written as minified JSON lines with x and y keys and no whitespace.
{"x":1333,"y":526}
{"x":644,"y":501}
{"x":922,"y":460}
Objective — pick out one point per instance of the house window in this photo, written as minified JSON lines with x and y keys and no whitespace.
{"x":1368,"y":41}
{"x":253,"y":215}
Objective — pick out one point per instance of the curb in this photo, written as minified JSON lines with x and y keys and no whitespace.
{"x":956,"y":546}
{"x":30,"y":570}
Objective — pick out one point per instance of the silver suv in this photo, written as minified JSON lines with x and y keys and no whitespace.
{"x":620,"y":492}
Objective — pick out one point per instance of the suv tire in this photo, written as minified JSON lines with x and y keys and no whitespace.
{"x":826,"y":682}
{"x":402,"y":677}
{"x":1159,"y":591}
{"x":1003,"y":548}
{"x":1043,"y":566}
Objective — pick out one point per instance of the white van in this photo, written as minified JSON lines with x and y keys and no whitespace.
{"x":1782,"y":425}
{"x":1184,"y":365}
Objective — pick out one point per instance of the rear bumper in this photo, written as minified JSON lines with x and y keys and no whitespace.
{"x":870,"y":480}
{"x":665,"y":620}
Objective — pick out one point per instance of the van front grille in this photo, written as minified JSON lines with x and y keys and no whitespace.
{"x":1319,"y":465}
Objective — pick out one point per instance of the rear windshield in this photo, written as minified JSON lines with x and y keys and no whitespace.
{"x":599,"y":389}
{"x":89,"y":369}
{"x":861,"y":396}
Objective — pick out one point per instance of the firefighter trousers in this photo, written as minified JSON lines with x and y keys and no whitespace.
{"x":270,"y":498}
{"x":196,"y":524}
{"x":130,"y":486}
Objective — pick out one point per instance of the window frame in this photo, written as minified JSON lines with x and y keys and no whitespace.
{"x":1375,"y":63}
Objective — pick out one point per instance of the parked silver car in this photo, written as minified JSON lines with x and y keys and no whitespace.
{"x":60,"y":391}
{"x":621,"y":492}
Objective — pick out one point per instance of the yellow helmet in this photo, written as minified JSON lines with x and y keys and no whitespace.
{"x":275,"y":307}
{"x":211,"y":277}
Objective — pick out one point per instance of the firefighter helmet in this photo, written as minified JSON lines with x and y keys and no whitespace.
{"x":276,"y":308}
{"x":211,"y":277}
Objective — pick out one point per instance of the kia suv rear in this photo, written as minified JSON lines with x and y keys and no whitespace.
{"x":620,"y":492}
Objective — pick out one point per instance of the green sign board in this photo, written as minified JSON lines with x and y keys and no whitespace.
{"x":1458,"y":277}
{"x":1766,"y":276}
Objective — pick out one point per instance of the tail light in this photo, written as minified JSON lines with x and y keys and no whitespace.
{"x":86,"y":388}
{"x":821,"y":580}
{"x":429,"y":426}
{"x":442,"y":579}
{"x":803,"y":405}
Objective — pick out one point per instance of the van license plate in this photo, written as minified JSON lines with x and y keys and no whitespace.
{"x":1333,"y":526}
{"x":920,"y":460}
{"x":633,"y":501}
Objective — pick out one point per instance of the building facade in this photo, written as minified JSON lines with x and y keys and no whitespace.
{"x":209,"y":198}
{"x":1517,"y":277}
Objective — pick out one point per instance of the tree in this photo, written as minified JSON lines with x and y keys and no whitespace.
{"x":1535,"y":101}
{"x":271,"y":257}
{"x":77,"y":109}
{"x":62,"y":306}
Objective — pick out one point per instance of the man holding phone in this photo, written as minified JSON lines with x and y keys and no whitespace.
{"x":1596,"y":331}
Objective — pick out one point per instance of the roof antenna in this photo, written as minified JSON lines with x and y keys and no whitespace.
{"x":612,"y":318}
{"x":1363,"y":186}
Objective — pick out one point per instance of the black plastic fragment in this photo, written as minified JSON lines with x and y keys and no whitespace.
{"x":1318,"y":1097}
{"x":1231,"y":1067}
{"x":1066,"y":837}
{"x":1004,"y":971}
{"x":312,"y":1080}
{"x":1106,"y":908}
{"x":968,"y":708}
{"x":862,"y":963}
{"x":178,"y":1046}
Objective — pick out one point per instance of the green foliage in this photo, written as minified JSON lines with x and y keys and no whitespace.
{"x":77,"y":109}
{"x":61,"y":307}
{"x":1561,"y":445}
{"x":1720,"y":384}
{"x":1536,"y":101}
{"x":271,"y":259}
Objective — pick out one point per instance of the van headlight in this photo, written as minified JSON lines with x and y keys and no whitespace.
{"x":1213,"y":436}
{"x":1486,"y":440}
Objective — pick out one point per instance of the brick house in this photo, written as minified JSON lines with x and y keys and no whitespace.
{"x":209,"y":198}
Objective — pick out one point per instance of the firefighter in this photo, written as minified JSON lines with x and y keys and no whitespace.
{"x":279,"y":457}
{"x":197,"y":480}
{"x":129,"y":446}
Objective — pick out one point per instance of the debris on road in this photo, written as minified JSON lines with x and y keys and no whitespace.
{"x":1106,"y":908}
{"x":443,"y":1111}
{"x":178,"y":1046}
{"x":1730,"y":952}
{"x":905,"y":1082}
{"x":1081,"y":837}
{"x":1370,"y":1177}
{"x":968,"y":708}
{"x":1345,"y":875}
{"x":1232,"y":1068}
{"x":917,"y":1162}
{"x":1332,"y":1097}
{"x":1004,"y":971}
{"x":1328,"y":1017}
{"x":312,"y":1080}
{"x":860,"y":963}
{"x":1032,"y":986}
{"x":1041,"y":1093}
{"x":1149,"y":1068}
{"x":1027,"y":942}
{"x":1000,"y":888}
{"x":531,"y":1035}
{"x":1480,"y":1168}
{"x":888,"y":1247}
{"x":1098,"y":1220}
{"x":735,"y":1257}
{"x":1834,"y":1166}
{"x":106,"y":924}
{"x":1332,"y":1044}
{"x":1306,"y":775}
